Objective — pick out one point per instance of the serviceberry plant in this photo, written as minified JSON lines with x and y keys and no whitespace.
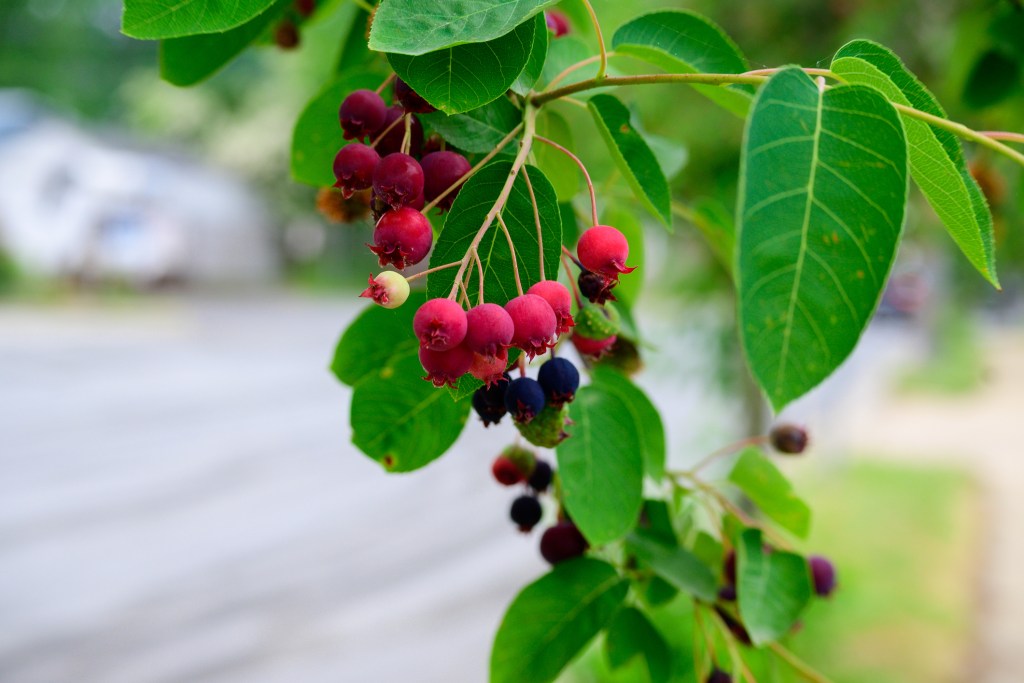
{"x":443,"y":122}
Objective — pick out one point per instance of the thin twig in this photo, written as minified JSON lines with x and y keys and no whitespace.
{"x":726,"y":450}
{"x":432,"y":270}
{"x":386,"y":131}
{"x":586,"y":176}
{"x":536,"y":219}
{"x":572,"y":282}
{"x":480,"y":271}
{"x":601,"y":70}
{"x":1002,"y":135}
{"x":407,"y":138}
{"x":573,"y":67}
{"x":798,"y":665}
{"x":387,"y":81}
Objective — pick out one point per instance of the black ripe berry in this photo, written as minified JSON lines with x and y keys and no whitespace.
{"x":362,"y":113}
{"x":788,"y":438}
{"x":526,"y":512}
{"x":489,"y":402}
{"x":719,"y":676}
{"x":596,"y":287}
{"x":524,"y":399}
{"x":410,"y":99}
{"x":561,"y":542}
{"x":560,"y":379}
{"x":824,"y":574}
{"x":540,"y":480}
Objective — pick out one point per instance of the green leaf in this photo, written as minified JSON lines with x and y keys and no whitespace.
{"x":823,"y":186}
{"x":563,"y":53}
{"x":768,"y":488}
{"x":634,"y":158}
{"x":360,"y":353}
{"x":600,"y":465}
{"x":475,"y":200}
{"x":557,"y":166}
{"x":676,"y":565}
{"x":553,"y":619}
{"x":993,"y":78}
{"x":318,"y":135}
{"x":402,"y":421}
{"x":686,"y":43}
{"x":936,"y":159}
{"x":152,"y":19}
{"x":191,"y":59}
{"x":715,"y":224}
{"x":657,"y":522}
{"x":773,"y":588}
{"x":416,"y":27}
{"x":570,"y":225}
{"x":626,"y":221}
{"x":538,"y":55}
{"x":353,"y":52}
{"x":645,"y":417}
{"x":633,"y":635}
{"x":464,"y":77}
{"x":478,"y":130}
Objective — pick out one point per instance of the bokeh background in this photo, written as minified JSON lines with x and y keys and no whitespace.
{"x":179,"y":500}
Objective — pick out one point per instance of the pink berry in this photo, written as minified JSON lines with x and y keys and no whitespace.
{"x":362,"y":113}
{"x":402,"y":237}
{"x":440,"y":324}
{"x":489,"y":369}
{"x":490,"y":329}
{"x":557,"y":22}
{"x":593,"y":348}
{"x":392,"y":142}
{"x":398,"y":179}
{"x":444,"y":368}
{"x":558,"y":297}
{"x":441,"y":170}
{"x":410,"y":100}
{"x":353,"y":168}
{"x":534,"y":324}
{"x":389,"y":289}
{"x":604,"y":250}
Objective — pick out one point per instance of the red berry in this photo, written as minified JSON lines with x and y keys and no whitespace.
{"x":402,"y":237}
{"x":392,"y":142}
{"x":446,"y":367}
{"x":534,"y":324}
{"x":557,"y":22}
{"x":361,"y":114}
{"x":410,"y":99}
{"x":398,"y":179}
{"x":305,"y":7}
{"x":558,"y":297}
{"x":353,"y":168}
{"x":593,"y":348}
{"x":604,"y":250}
{"x":440,"y":324}
{"x":562,"y":542}
{"x":286,"y":35}
{"x":490,"y":329}
{"x":489,"y":369}
{"x":441,"y":170}
{"x":506,"y":471}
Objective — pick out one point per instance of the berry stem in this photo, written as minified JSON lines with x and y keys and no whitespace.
{"x":480,"y":272}
{"x":725,"y":450}
{"x":963,"y":131}
{"x":586,"y":176}
{"x":1002,"y":135}
{"x":536,"y":219}
{"x":573,"y":67}
{"x":480,"y":164}
{"x":810,"y":72}
{"x":432,"y":270}
{"x":572,"y":257}
{"x":385,"y":132}
{"x":572,"y":283}
{"x":386,"y":83}
{"x":798,"y":665}
{"x":512,"y":250}
{"x":407,"y":138}
{"x":734,"y":509}
{"x":601,"y":70}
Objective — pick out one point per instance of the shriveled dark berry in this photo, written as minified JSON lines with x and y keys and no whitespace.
{"x":560,"y":379}
{"x":524,"y":399}
{"x":729,"y":567}
{"x":562,"y":542}
{"x":286,"y":35}
{"x":398,"y":179}
{"x":540,"y":480}
{"x":788,"y":438}
{"x":410,"y":99}
{"x":526,"y":511}
{"x":489,"y":402}
{"x":362,"y":113}
{"x":824,"y":574}
{"x":727,"y":593}
{"x":392,"y":141}
{"x":596,"y":287}
{"x":441,"y":170}
{"x":354,"y":165}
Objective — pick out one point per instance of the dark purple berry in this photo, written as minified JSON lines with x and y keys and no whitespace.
{"x":540,"y":480}
{"x":729,"y":568}
{"x":560,"y":379}
{"x":824,"y":574}
{"x":561,"y":542}
{"x":719,"y":676}
{"x":353,"y":168}
{"x":596,"y":287}
{"x":524,"y":399}
{"x":398,"y":179}
{"x":392,"y":141}
{"x":788,"y":438}
{"x":286,"y":35}
{"x":489,"y":402}
{"x":410,"y":99}
{"x":441,"y":170}
{"x":727,"y":593}
{"x":526,"y":512}
{"x":362,"y":113}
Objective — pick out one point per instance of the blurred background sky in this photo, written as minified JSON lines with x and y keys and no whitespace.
{"x":179,"y":499}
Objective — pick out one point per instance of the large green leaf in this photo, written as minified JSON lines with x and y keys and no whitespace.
{"x":768,"y":488}
{"x":538,"y":55}
{"x":600,"y":465}
{"x":645,"y":417}
{"x":685,"y":42}
{"x":631,"y":635}
{"x":360,"y":351}
{"x":553,"y":619}
{"x":153,"y":19}
{"x":773,"y":587}
{"x":676,"y":565}
{"x":190,"y":59}
{"x":415,"y":27}
{"x":475,"y":200}
{"x":464,"y":77}
{"x":480,"y":129}
{"x":823,"y":186}
{"x":318,"y":135}
{"x":936,"y":159}
{"x":633,"y":156}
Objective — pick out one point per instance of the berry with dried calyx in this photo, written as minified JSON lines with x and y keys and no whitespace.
{"x":524,"y":399}
{"x":592,"y":348}
{"x":560,"y":379}
{"x":389,"y":289}
{"x":561,"y":542}
{"x":514,"y":465}
{"x":823,"y":573}
{"x":444,"y":368}
{"x":391,"y":142}
{"x":596,"y":287}
{"x":604,"y":250}
{"x":362,"y":113}
{"x":788,"y":438}
{"x":534,"y":324}
{"x":442,"y":170}
{"x":333,"y":206}
{"x":540,"y":480}
{"x":398,"y":180}
{"x":354,"y":165}
{"x":402,"y":237}
{"x":558,"y":297}
{"x":490,"y":329}
{"x":718,"y":676}
{"x":440,"y":324}
{"x":410,"y":100}
{"x":547,"y":428}
{"x":526,"y":511}
{"x":557,"y":22}
{"x":489,"y":401}
{"x":489,"y":369}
